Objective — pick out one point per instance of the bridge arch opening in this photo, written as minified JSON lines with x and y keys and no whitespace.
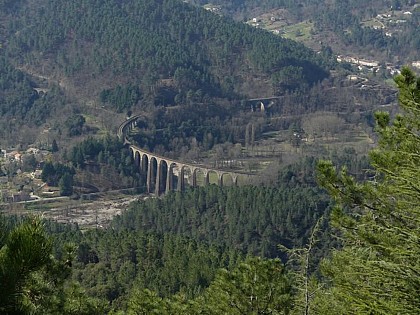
{"x":144,"y":167}
{"x":137,"y":159}
{"x":151,"y":174}
{"x":161,"y":176}
{"x":183,"y":175}
{"x":199,"y":176}
{"x":213,"y":177}
{"x":227,"y":179}
{"x":170,"y":177}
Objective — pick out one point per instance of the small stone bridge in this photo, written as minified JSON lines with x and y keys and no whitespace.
{"x":161,"y":171}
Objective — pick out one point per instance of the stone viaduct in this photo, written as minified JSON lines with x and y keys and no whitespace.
{"x":161,"y":171}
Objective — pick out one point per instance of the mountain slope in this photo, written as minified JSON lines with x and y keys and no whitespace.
{"x":145,"y":41}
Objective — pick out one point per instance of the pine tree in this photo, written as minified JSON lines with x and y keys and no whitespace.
{"x":66,"y":184}
{"x":256,"y":286}
{"x":54,"y":146}
{"x":32,"y":281}
{"x":378,"y":269}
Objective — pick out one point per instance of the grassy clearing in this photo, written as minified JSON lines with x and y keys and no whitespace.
{"x":373,"y":23}
{"x":299,"y":32}
{"x":277,"y":146}
{"x":95,"y":122}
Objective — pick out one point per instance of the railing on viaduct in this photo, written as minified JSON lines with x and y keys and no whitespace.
{"x":161,"y":171}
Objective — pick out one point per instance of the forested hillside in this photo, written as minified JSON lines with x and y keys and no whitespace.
{"x":307,"y":236}
{"x":144,"y":41}
{"x":344,"y":24}
{"x":165,"y":263}
{"x":251,"y":219}
{"x":98,"y":57}
{"x":110,"y":263}
{"x":19,"y":102}
{"x":178,"y":243}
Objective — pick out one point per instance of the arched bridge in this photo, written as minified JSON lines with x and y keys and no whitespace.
{"x":161,"y":171}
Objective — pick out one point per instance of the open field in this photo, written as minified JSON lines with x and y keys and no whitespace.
{"x":86,"y":213}
{"x":299,"y":32}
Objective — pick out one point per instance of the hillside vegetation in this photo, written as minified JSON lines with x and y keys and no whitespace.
{"x":98,"y":57}
{"x":379,"y":29}
{"x":145,"y":41}
{"x":165,"y":263}
{"x":78,"y":69}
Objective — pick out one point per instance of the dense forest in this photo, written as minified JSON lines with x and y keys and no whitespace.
{"x":333,"y":236}
{"x":20,"y":100}
{"x":109,"y":157}
{"x":195,"y":233}
{"x":164,"y":255}
{"x":177,"y":244}
{"x":145,"y":41}
{"x":135,"y":56}
{"x":65,"y":60}
{"x":110,"y":263}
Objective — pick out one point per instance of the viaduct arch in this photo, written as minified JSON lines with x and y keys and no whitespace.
{"x":161,"y":171}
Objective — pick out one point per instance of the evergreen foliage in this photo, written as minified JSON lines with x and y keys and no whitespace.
{"x":112,"y":263}
{"x":24,"y":251}
{"x":53,"y":172}
{"x":66,"y":184}
{"x":106,"y":155}
{"x":54,"y":146}
{"x":32,"y":281}
{"x":122,"y":97}
{"x":148,"y":40}
{"x":377,"y":271}
{"x":18,"y":99}
{"x":74,"y":125}
{"x":251,"y":219}
{"x":256,"y":286}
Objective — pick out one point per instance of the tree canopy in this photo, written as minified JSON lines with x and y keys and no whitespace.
{"x":145,"y":41}
{"x":377,"y":270}
{"x":32,"y":281}
{"x":374,"y":271}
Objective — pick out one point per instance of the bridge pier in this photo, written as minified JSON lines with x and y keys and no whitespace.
{"x":194,"y":178}
{"x":220,"y":179}
{"x":234,"y":179}
{"x":206,"y":178}
{"x":149,"y":178}
{"x":158,"y":177}
{"x":169,"y":179}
